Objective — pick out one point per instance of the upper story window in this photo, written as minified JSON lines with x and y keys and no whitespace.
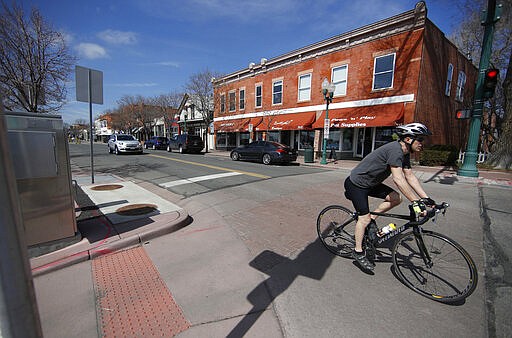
{"x":383,"y":71}
{"x":241,"y":95}
{"x":304,"y":87}
{"x":449,"y":77}
{"x":232,"y":101}
{"x":339,"y":79}
{"x":461,"y":83}
{"x":277,"y":92}
{"x":222,"y":103}
{"x":257,"y":95}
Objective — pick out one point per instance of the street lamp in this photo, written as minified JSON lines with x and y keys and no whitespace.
{"x":328,"y":91}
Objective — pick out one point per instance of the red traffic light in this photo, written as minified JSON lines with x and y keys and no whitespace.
{"x":463,"y":114}
{"x":490,"y":82}
{"x":491,"y":73}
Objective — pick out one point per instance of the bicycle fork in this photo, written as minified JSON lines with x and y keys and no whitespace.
{"x":425,"y":255}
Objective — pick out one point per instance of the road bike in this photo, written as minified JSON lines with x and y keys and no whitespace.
{"x":428,"y":262}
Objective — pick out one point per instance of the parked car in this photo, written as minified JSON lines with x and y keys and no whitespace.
{"x":185,"y":143}
{"x":122,"y":143}
{"x":264,"y":151}
{"x":156,"y":142}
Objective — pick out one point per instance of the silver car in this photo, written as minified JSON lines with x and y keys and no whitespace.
{"x":122,"y":143}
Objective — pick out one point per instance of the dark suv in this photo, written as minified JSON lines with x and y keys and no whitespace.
{"x":186,"y":143}
{"x":156,"y":142}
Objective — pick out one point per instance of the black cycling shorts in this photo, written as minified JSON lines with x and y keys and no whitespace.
{"x":359,"y":196}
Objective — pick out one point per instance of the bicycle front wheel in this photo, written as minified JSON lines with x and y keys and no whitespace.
{"x":434,"y":266}
{"x":335,"y":226}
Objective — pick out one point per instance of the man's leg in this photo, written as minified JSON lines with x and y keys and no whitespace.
{"x":362,"y":223}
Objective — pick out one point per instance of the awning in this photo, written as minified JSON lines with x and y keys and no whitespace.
{"x":384,"y":115}
{"x":255,"y":121}
{"x":230,"y":126}
{"x":298,"y":121}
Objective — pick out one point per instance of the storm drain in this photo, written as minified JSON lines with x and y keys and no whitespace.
{"x":107,"y":187}
{"x":136,"y":209}
{"x":132,"y":299}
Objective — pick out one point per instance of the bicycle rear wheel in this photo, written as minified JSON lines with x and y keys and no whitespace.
{"x":335,"y":226}
{"x":449,"y":276}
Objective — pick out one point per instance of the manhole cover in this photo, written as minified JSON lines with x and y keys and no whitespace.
{"x":107,"y":187}
{"x":136,"y":209}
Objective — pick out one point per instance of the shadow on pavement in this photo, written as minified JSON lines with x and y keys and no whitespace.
{"x":443,"y":179}
{"x":312,"y":262}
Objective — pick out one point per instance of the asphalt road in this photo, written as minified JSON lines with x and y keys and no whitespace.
{"x":273,"y":211}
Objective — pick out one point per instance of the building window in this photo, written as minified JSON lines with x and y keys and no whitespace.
{"x":449,"y":80}
{"x":461,"y":83}
{"x":258,"y":96}
{"x":383,"y":71}
{"x":305,"y":87}
{"x":305,"y":139}
{"x":339,"y":79}
{"x":232,"y":101}
{"x":222,"y":103}
{"x":277,"y":92}
{"x":241,"y":95}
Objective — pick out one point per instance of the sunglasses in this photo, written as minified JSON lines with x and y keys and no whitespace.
{"x":419,"y":139}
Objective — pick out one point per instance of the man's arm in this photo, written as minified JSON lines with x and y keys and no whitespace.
{"x":414,"y":183}
{"x":403,"y":183}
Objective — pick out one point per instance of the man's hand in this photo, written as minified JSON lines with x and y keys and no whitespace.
{"x":419,"y":208}
{"x":428,"y":201}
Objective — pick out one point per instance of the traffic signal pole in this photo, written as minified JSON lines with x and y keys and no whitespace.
{"x":469,"y":165}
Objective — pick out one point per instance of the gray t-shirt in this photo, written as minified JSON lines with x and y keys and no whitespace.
{"x":375,"y":167}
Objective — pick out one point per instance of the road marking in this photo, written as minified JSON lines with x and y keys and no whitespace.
{"x":213,"y":167}
{"x":198,"y":179}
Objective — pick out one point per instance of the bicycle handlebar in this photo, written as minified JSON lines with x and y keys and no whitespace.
{"x":432,"y":213}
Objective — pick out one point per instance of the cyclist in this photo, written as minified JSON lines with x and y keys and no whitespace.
{"x":366,"y":180}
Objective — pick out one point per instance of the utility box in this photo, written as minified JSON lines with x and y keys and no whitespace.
{"x":40,"y":156}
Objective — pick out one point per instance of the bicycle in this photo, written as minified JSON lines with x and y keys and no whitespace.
{"x":427,"y":262}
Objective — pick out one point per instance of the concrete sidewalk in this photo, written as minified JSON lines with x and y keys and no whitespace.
{"x":116,"y":217}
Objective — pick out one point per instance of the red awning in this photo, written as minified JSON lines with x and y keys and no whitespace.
{"x":298,"y":121}
{"x":384,"y":115}
{"x":255,"y":121}
{"x":230,"y":126}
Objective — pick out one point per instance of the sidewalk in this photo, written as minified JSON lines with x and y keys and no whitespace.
{"x":117,"y":216}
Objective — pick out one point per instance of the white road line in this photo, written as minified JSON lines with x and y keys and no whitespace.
{"x":198,"y":179}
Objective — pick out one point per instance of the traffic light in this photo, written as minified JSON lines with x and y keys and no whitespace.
{"x":490,"y":82}
{"x":463,"y":114}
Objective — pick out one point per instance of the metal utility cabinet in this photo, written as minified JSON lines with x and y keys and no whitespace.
{"x":40,"y":157}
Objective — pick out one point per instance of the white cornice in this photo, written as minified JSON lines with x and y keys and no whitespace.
{"x":321,"y":107}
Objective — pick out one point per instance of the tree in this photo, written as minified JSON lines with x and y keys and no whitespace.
{"x":35,"y":62}
{"x":200,"y":89}
{"x":168,"y":104}
{"x":496,"y":131}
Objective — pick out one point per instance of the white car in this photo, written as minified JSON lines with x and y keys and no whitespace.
{"x":122,"y":143}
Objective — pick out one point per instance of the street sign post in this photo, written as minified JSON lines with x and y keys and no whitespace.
{"x":89,"y":88}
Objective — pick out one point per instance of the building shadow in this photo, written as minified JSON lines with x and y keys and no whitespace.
{"x":282,"y":271}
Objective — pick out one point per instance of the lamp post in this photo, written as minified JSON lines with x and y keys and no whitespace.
{"x":328,"y":91}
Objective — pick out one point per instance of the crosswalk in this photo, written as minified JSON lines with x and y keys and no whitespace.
{"x":198,"y":179}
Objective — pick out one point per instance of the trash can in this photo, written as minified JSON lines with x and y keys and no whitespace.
{"x":308,"y":155}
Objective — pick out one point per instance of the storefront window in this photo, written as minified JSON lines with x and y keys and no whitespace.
{"x":273,"y":136}
{"x":244,"y":139}
{"x":348,"y":138}
{"x":231,"y":138}
{"x":383,"y":135}
{"x":333,"y":141}
{"x":221,"y":140}
{"x":306,"y":139}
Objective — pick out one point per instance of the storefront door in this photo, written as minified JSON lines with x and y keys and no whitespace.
{"x":359,"y":142}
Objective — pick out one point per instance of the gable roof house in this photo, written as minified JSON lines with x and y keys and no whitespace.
{"x":395,"y":71}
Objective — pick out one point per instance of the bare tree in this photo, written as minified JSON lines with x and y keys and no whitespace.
{"x":200,"y":89}
{"x":496,"y":131}
{"x":168,"y":104}
{"x":35,"y":61}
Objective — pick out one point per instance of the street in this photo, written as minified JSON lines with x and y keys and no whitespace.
{"x":263,"y":222}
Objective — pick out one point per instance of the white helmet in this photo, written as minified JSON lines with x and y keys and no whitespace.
{"x":413,"y":130}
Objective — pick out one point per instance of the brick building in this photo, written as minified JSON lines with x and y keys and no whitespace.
{"x":399,"y":70}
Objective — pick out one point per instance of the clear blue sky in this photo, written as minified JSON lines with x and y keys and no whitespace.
{"x":151,"y":47}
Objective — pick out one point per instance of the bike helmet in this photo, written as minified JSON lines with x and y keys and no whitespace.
{"x":413,"y":130}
